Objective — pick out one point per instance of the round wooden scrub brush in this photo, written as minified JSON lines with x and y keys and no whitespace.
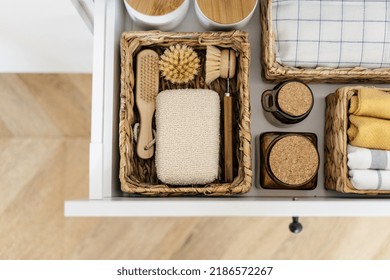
{"x":220,"y":63}
{"x":179,"y":64}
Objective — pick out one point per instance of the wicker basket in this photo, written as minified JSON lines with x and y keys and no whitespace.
{"x":274,"y":71}
{"x":138,"y":176}
{"x":336,"y":125}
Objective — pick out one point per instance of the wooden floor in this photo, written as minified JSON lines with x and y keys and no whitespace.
{"x":44,"y":136}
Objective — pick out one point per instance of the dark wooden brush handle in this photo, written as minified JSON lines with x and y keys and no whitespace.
{"x":228,"y":138}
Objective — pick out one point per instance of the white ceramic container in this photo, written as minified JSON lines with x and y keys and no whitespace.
{"x":164,"y":22}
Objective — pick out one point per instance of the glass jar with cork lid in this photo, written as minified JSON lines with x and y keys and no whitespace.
{"x":288,"y":161}
{"x":287,"y":103}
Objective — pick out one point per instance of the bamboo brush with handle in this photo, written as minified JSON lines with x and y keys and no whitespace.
{"x":146,"y":91}
{"x":222,"y":63}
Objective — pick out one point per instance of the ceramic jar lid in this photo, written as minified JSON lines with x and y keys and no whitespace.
{"x":164,"y":15}
{"x":225,"y":14}
{"x":155,"y":7}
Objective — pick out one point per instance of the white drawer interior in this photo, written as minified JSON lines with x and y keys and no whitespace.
{"x":104,"y":183}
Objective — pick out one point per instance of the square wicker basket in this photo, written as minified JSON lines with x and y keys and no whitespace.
{"x":138,"y":176}
{"x":336,"y":125}
{"x":274,"y":71}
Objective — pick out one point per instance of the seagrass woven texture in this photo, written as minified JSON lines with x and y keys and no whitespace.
{"x":275,"y":71}
{"x":138,"y":176}
{"x":336,"y":125}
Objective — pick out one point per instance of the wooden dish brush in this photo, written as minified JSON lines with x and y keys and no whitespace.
{"x":222,"y":63}
{"x":179,"y":64}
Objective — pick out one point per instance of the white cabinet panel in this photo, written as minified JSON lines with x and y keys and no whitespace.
{"x":43,"y":36}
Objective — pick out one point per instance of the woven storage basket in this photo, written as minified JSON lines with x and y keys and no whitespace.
{"x":336,"y":125}
{"x":138,"y":176}
{"x":274,"y":71}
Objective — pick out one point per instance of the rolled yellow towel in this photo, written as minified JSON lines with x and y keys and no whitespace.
{"x":369,"y":132}
{"x":370,"y":102}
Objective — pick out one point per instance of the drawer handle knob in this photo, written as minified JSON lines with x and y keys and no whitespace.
{"x":295,"y":227}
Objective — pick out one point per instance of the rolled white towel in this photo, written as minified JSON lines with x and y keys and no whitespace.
{"x":363,"y":158}
{"x":370,"y":179}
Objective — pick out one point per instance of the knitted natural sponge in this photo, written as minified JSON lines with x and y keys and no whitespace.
{"x":179,"y":64}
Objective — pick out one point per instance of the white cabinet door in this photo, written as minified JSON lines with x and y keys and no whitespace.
{"x":43,"y":36}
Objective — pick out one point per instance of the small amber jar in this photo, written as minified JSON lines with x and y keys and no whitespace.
{"x":288,"y":103}
{"x":288,"y":161}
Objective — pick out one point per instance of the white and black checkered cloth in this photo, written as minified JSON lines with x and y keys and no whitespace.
{"x":338,"y":33}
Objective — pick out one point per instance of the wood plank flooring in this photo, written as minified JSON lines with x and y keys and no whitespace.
{"x":44,"y":136}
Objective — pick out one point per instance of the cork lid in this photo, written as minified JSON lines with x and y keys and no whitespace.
{"x":293,"y":160}
{"x":155,"y":7}
{"x":295,"y":98}
{"x":226,"y":11}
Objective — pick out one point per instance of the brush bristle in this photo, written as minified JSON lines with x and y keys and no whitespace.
{"x":213,"y":63}
{"x":179,"y":64}
{"x":148,"y":68}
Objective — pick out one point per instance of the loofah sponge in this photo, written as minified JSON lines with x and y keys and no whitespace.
{"x":179,"y":64}
{"x":187,"y":140}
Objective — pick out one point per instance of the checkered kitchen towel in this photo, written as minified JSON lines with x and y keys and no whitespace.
{"x":338,"y":33}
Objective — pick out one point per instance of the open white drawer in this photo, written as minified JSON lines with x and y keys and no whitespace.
{"x":105,"y":197}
